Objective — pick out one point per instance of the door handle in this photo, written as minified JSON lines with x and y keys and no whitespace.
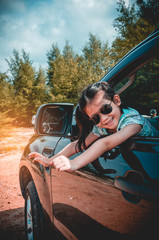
{"x":133,"y":184}
{"x":48,"y":152}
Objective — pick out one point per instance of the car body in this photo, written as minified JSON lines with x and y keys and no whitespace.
{"x":114,"y":197}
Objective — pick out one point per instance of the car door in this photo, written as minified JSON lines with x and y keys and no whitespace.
{"x":86,"y":203}
{"x":117,"y":195}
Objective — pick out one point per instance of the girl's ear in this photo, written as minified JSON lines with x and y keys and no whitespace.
{"x":117,"y":100}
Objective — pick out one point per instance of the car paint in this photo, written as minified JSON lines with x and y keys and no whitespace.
{"x":90,"y":203}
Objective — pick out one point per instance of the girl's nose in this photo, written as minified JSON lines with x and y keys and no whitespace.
{"x":103,"y":118}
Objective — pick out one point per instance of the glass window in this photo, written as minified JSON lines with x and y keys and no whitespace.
{"x":143,"y":94}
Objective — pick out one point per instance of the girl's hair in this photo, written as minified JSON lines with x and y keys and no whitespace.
{"x":85,"y":125}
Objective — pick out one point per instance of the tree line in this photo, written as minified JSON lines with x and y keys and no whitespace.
{"x":23,"y":88}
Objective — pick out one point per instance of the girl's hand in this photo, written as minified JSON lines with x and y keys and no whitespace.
{"x":62,"y":163}
{"x":37,"y":157}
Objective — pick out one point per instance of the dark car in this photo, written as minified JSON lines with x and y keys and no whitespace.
{"x":114,"y":197}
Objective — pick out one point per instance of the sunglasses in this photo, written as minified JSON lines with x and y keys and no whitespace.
{"x":105,"y":109}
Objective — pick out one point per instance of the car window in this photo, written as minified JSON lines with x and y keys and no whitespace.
{"x":143,"y":94}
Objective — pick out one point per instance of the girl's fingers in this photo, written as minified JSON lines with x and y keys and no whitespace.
{"x":56,"y":163}
{"x":32,"y":155}
{"x":62,"y":164}
{"x":41,"y":162}
{"x":60,"y":159}
{"x":59,"y":166}
{"x":36,"y":159}
{"x":64,"y":169}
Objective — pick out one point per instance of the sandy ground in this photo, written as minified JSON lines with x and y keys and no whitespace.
{"x":11,"y":200}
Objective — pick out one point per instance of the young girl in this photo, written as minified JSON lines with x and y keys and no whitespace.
{"x":99,"y":113}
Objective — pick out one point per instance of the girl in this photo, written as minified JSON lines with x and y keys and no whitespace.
{"x":99,"y":113}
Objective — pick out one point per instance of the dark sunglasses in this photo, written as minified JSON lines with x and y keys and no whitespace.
{"x":105,"y":109}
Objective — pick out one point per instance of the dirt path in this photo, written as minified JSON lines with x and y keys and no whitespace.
{"x":11,"y":200}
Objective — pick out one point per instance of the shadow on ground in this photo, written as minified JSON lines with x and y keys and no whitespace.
{"x":12,"y":224}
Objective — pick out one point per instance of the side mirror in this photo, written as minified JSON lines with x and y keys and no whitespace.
{"x":54,"y":119}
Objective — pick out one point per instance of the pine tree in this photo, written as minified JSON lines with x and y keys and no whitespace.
{"x":133,"y":24}
{"x":149,"y":11}
{"x":69,"y":73}
{"x":95,"y":62}
{"x":6,"y":93}
{"x":29,"y":87}
{"x":52,"y":56}
{"x":63,"y":74}
{"x":97,"y":55}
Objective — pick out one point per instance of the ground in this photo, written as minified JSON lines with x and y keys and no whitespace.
{"x":11,"y":200}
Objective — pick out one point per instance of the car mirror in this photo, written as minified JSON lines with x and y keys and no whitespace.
{"x":54,"y":119}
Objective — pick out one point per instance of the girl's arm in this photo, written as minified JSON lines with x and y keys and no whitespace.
{"x":62,"y":163}
{"x":68,"y":151}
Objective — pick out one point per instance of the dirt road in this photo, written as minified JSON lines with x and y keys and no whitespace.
{"x":11,"y":200}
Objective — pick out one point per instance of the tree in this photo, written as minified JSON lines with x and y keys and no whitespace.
{"x":40,"y":91}
{"x":97,"y":55}
{"x":68,"y":73}
{"x":143,"y":94}
{"x":52,"y":56}
{"x":29,"y":87}
{"x":94,"y":63}
{"x":149,"y":11}
{"x":133,"y":24}
{"x":6,"y":93}
{"x":63,"y":74}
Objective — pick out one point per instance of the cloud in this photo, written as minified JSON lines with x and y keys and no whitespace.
{"x":10,"y":6}
{"x":35,"y":25}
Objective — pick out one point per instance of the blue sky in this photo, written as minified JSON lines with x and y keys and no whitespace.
{"x":34,"y":25}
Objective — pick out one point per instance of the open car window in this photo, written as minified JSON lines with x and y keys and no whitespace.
{"x":142,"y":93}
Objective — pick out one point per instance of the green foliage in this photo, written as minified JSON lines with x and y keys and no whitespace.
{"x":143,"y":95}
{"x":28,"y":87}
{"x":24,"y":89}
{"x":149,"y":10}
{"x":68,"y":73}
{"x":62,"y":74}
{"x":97,"y":55}
{"x":6,"y":93}
{"x":133,"y":24}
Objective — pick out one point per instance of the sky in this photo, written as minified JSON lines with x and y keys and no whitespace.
{"x":34,"y":25}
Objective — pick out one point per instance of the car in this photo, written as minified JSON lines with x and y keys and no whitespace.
{"x":114,"y":197}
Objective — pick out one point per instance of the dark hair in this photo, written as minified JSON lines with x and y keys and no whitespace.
{"x":85,"y":125}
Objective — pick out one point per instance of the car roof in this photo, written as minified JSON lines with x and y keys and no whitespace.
{"x":138,"y":56}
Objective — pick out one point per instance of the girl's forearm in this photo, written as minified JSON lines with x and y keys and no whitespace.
{"x":71,"y":149}
{"x":91,"y":154}
{"x":68,"y":151}
{"x":105,"y":144}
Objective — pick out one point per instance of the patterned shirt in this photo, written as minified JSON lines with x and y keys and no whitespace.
{"x":131,"y":116}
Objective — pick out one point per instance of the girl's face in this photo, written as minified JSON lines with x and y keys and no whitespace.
{"x":94,"y":108}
